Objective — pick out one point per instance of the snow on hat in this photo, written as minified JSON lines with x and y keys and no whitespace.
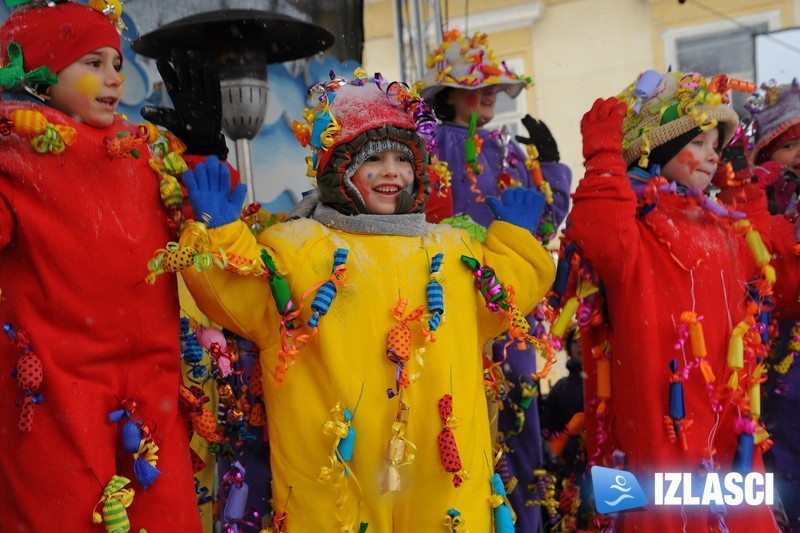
{"x":775,"y":112}
{"x":56,"y":35}
{"x":350,"y":114}
{"x":663,"y":107}
{"x":465,"y":63}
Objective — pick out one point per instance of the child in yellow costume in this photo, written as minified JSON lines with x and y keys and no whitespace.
{"x":370,"y":321}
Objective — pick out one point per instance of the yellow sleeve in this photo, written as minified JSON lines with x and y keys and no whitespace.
{"x":238,"y":302}
{"x":521,"y":263}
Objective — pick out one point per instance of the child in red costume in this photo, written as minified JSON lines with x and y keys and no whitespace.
{"x":673,"y":354}
{"x":89,"y":418}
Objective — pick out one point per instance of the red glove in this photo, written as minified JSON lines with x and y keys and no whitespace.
{"x":601,"y":128}
{"x":768,"y":173}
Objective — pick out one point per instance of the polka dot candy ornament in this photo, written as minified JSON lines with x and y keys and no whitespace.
{"x":448,"y":450}
{"x":28,"y":373}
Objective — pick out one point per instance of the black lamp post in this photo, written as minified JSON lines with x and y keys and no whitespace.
{"x":241,"y":42}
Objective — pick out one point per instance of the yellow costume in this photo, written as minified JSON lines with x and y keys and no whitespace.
{"x":370,"y":329}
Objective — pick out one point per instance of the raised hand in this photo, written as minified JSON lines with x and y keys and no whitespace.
{"x":209,"y":188}
{"x":539,"y":135}
{"x":601,"y":128}
{"x":193,"y":87}
{"x":519,"y":206}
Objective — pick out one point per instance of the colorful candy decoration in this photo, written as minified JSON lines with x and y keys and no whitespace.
{"x":435,"y":295}
{"x":28,"y":374}
{"x":500,"y":299}
{"x":280,"y":289}
{"x":327,"y":291}
{"x":337,"y":473}
{"x":338,"y":425}
{"x":503,"y":517}
{"x":398,"y":345}
{"x":745,"y":445}
{"x":137,"y":439}
{"x":291,"y":340}
{"x":126,"y":143}
{"x":697,"y":342}
{"x":676,"y":423}
{"x":399,"y":452}
{"x":202,"y":420}
{"x":236,"y":501}
{"x":45,"y":137}
{"x":454,"y":522}
{"x":487,"y":283}
{"x":472,"y":147}
{"x":448,"y":451}
{"x":115,"y":501}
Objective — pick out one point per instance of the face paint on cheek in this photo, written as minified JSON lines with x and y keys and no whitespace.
{"x":685,"y":157}
{"x":88,"y":86}
{"x":472,"y":99}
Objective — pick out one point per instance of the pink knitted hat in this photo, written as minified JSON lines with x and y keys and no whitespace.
{"x":775,"y":111}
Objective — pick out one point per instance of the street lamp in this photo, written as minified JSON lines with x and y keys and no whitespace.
{"x":241,"y":43}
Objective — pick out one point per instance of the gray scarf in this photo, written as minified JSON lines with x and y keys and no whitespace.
{"x":412,"y":225}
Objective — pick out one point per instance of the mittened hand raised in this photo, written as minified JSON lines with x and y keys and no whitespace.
{"x":209,"y":188}
{"x":519,"y":206}
{"x":601,"y":127}
{"x":193,"y":87}
{"x":540,"y":137}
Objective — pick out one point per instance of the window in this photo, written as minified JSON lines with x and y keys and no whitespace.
{"x":724,"y":47}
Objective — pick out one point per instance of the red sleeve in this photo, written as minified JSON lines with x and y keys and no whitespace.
{"x":778,"y":236}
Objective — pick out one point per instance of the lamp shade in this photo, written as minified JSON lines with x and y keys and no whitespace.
{"x":280,"y":37}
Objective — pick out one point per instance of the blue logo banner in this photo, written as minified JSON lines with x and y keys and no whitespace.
{"x":616,"y":490}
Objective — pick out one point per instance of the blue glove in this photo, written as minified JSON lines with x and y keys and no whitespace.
{"x":519,"y":206}
{"x":209,"y":188}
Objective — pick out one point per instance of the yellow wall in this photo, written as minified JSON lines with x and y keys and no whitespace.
{"x":576,"y":50}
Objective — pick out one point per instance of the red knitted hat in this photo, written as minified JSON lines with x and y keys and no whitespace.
{"x":57,"y":35}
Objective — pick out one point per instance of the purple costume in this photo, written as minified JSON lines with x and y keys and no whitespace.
{"x":450,"y":139}
{"x":523,"y":442}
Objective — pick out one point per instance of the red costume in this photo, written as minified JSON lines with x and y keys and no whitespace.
{"x":681,"y":281}
{"x":77,"y":229}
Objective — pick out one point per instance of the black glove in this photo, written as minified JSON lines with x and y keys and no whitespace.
{"x":193,"y":86}
{"x":540,"y":137}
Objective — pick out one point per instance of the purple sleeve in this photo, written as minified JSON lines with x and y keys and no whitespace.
{"x":559,"y":176}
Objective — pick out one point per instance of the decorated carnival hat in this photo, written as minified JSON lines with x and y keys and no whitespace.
{"x":467,"y":63}
{"x":776,"y":117}
{"x":353,"y":119}
{"x":668,"y":107}
{"x":55,"y":34}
